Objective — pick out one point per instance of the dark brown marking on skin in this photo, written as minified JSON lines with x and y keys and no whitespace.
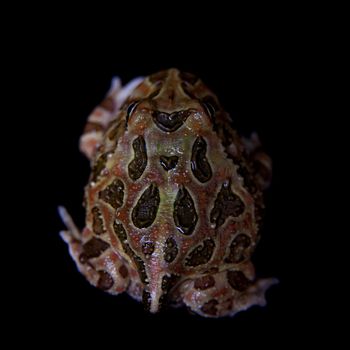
{"x":209,"y":307}
{"x":185,"y":215}
{"x":105,"y":281}
{"x":92,"y":249}
{"x":148,"y":248}
{"x":168,"y":163}
{"x":226,"y":204}
{"x":117,"y":131}
{"x":170,"y":122}
{"x":238,"y":249}
{"x":140,"y":265}
{"x":199,"y":163}
{"x":238,"y":280}
{"x":138,"y":165}
{"x":168,"y":282}
{"x":113,"y":194}
{"x":99,"y":165}
{"x":123,"y":271}
{"x":170,"y":250}
{"x":120,"y":232}
{"x":97,"y":222}
{"x":146,"y":300}
{"x":204,"y":282}
{"x":145,"y":211}
{"x":201,"y":254}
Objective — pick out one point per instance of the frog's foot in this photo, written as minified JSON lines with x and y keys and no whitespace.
{"x":101,"y":116}
{"x":225,"y":293}
{"x":94,"y":257}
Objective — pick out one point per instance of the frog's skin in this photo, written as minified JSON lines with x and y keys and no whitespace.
{"x":174,"y":200}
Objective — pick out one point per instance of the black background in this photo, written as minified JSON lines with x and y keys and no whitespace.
{"x":263,"y":83}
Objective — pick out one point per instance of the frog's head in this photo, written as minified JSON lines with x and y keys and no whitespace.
{"x":170,"y":97}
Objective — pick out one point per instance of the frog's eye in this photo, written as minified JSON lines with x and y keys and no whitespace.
{"x":130,"y":109}
{"x":209,"y":109}
{"x":210,"y":106}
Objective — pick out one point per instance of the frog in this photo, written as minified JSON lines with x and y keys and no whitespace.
{"x":175,"y":199}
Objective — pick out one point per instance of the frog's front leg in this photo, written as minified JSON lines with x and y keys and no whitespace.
{"x":99,"y":119}
{"x":95,"y":258}
{"x":225,"y":293}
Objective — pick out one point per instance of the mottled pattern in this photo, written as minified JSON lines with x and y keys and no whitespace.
{"x":174,"y":200}
{"x":139,"y":264}
{"x":97,"y":222}
{"x":237,"y":280}
{"x":238,"y":249}
{"x":99,"y":165}
{"x":205,"y":282}
{"x":227,"y":204}
{"x":105,"y":281}
{"x":201,"y":254}
{"x":210,"y":307}
{"x":185,"y":215}
{"x":138,"y":165}
{"x":199,"y":163}
{"x":113,"y":194}
{"x":92,"y":249}
{"x":168,"y":282}
{"x":170,"y":250}
{"x":148,"y":248}
{"x":146,"y":208}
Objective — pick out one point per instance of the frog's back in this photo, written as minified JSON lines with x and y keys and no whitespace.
{"x":171,"y":188}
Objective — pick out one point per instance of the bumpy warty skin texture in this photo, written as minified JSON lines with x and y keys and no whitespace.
{"x":174,"y":201}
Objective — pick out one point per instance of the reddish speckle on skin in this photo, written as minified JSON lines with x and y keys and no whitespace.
{"x":220,"y":292}
{"x":182,"y":177}
{"x":118,"y":171}
{"x":114,"y":240}
{"x":134,"y":274}
{"x":204,"y":285}
{"x":135,"y":187}
{"x":113,"y":257}
{"x":122,"y":215}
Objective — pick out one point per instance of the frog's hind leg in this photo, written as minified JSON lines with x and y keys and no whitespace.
{"x":95,"y":258}
{"x":101,"y":116}
{"x":226,"y":293}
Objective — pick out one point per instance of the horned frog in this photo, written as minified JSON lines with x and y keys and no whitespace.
{"x":174,"y":200}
